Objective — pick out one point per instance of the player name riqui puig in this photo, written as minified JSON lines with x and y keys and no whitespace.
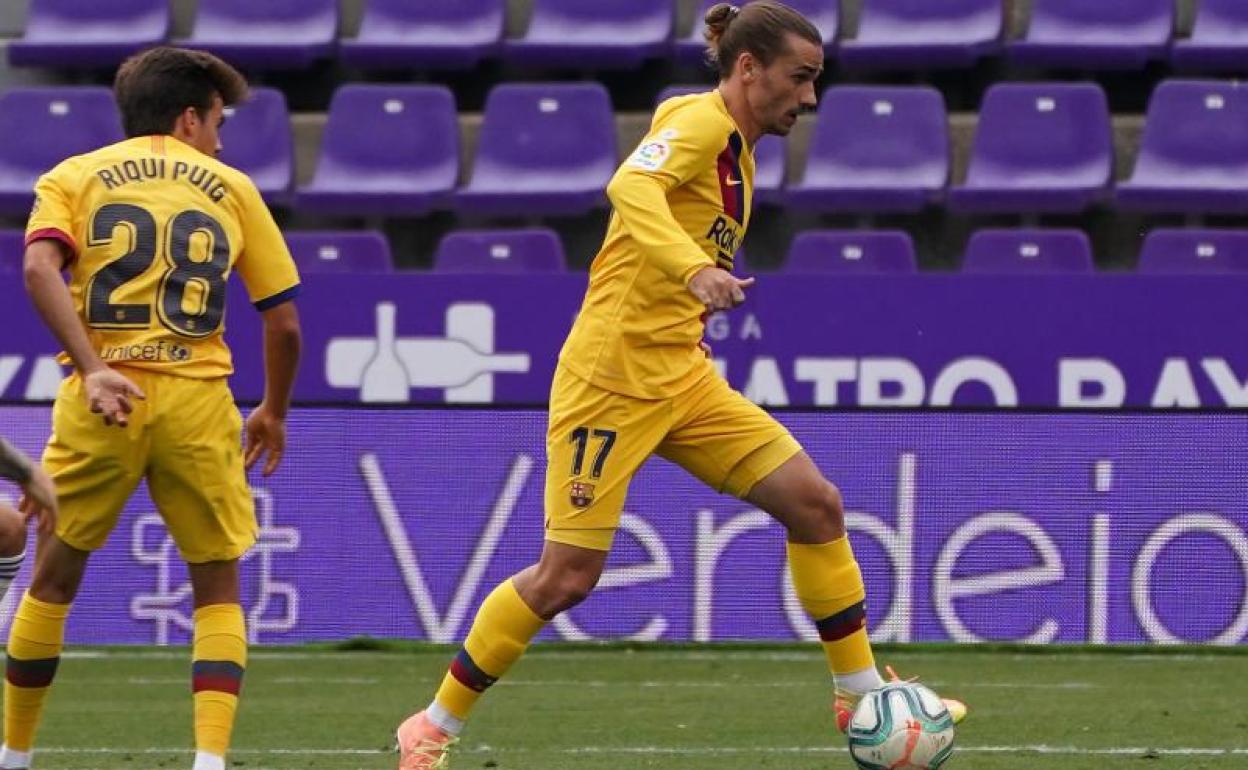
{"x":195,"y":175}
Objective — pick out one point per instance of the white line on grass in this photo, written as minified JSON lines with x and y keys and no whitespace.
{"x":1132,"y":751}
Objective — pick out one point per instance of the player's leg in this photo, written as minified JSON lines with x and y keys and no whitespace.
{"x":825,"y":574}
{"x":95,"y":468}
{"x":595,"y":441}
{"x":12,"y":546}
{"x":218,"y":658}
{"x":197,"y":480}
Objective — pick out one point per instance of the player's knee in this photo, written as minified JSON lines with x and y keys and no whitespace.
{"x":12,"y":532}
{"x":830,"y":505}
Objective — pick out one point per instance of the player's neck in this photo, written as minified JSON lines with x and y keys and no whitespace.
{"x":734,"y":100}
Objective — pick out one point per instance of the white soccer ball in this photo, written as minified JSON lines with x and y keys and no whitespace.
{"x":900,"y":726}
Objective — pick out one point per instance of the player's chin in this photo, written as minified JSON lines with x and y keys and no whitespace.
{"x":780,"y":129}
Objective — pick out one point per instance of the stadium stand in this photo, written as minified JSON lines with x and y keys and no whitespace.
{"x":387,"y":150}
{"x":1043,"y":147}
{"x":1028,"y":251}
{"x":851,"y":252}
{"x":875,"y":149}
{"x":1194,"y":251}
{"x":88,"y":33}
{"x":439,"y":34}
{"x":350,"y":251}
{"x":502,"y":147}
{"x":534,"y":250}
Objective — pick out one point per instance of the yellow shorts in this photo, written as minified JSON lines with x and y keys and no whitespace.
{"x":185,"y":439}
{"x":597,"y":439}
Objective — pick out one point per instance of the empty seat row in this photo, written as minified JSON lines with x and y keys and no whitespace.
{"x":449,"y":34}
{"x":844,"y":252}
{"x":550,"y":149}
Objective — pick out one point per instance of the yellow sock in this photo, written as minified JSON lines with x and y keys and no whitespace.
{"x":220,"y":656}
{"x":829,"y":586}
{"x":35,"y":642}
{"x":499,"y":636}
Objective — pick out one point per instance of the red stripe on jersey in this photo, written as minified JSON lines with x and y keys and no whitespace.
{"x":731,"y":182}
{"x":55,"y":234}
{"x":158,"y":144}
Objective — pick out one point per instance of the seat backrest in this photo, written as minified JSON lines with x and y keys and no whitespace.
{"x":128,"y":17}
{"x":12,"y":251}
{"x":531,"y":131}
{"x":328,"y":251}
{"x":824,"y":14}
{"x":40,"y":127}
{"x":391,"y":131}
{"x":888,"y":14}
{"x":535,"y":250}
{"x":1028,"y":251}
{"x":297,"y":18}
{"x":1194,"y":251}
{"x":877,"y":132}
{"x":851,"y":251}
{"x":1196,"y":124}
{"x":1221,"y":20}
{"x":256,"y":139}
{"x":453,"y":14}
{"x":1043,"y":128}
{"x":636,"y":18}
{"x":1143,"y":19}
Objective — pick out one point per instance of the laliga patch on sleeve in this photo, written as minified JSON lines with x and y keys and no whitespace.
{"x":650,"y":156}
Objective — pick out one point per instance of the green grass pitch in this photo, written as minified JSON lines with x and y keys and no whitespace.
{"x":674,"y":708}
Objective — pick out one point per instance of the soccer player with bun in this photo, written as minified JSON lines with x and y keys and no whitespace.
{"x":149,"y":230}
{"x":633,"y":380}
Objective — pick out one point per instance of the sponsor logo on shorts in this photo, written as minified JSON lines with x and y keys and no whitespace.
{"x":582,"y":494}
{"x":174,"y":352}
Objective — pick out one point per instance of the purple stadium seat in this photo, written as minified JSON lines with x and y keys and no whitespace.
{"x":1219,"y":41}
{"x":908,"y":34}
{"x":353,"y":251}
{"x":273,"y":34}
{"x":824,"y":14}
{"x":612,"y":34}
{"x":40,"y":127}
{"x":875,"y":149}
{"x":1105,"y":34}
{"x":1194,"y":153}
{"x":88,"y":33}
{"x":437,"y":34}
{"x":536,"y":250}
{"x":1195,"y":251}
{"x":848,"y":251}
{"x":770,"y":154}
{"x":545,"y":148}
{"x":1028,"y":251}
{"x":1039,"y":147}
{"x":256,"y":140}
{"x":388,"y":150}
{"x":12,"y":251}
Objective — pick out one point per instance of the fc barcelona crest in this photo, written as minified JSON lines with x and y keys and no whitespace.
{"x":582,"y":494}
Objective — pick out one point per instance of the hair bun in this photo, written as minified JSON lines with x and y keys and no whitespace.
{"x":717,"y":19}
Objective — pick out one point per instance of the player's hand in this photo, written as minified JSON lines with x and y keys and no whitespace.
{"x":705,"y":348}
{"x":718,"y":289}
{"x":266,"y":433}
{"x":39,"y":501}
{"x":109,"y":393}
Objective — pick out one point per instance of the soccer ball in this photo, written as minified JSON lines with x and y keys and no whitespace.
{"x":900,"y":726}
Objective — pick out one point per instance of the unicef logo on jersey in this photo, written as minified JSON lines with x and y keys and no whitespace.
{"x":174,"y":352}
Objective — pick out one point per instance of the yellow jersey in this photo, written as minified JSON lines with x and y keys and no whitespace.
{"x":155,"y":228}
{"x":681,"y":202}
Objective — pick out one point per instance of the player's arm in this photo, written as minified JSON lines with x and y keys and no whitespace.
{"x":40,"y":495}
{"x":266,"y":431}
{"x":669,"y":157}
{"x":49,"y":250}
{"x":272,"y":282}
